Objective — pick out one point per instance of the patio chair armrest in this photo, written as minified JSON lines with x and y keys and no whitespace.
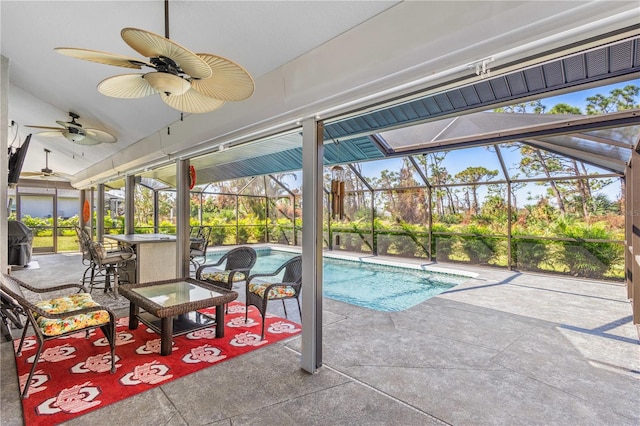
{"x":251,"y":277}
{"x":80,"y":287}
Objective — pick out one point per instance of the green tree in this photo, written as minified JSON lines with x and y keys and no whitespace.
{"x":617,"y":100}
{"x":563,"y":108}
{"x":473,"y":176}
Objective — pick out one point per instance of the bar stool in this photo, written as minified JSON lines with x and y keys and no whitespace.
{"x":107,"y":266}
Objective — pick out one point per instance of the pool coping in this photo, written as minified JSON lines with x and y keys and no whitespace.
{"x":359,"y":257}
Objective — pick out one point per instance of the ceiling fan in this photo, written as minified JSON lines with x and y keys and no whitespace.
{"x":46,"y":172}
{"x":189,"y":82}
{"x":74,"y":132}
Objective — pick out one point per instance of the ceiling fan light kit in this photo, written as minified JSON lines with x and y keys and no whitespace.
{"x":169,"y":84}
{"x":73,"y":135}
{"x":74,"y":132}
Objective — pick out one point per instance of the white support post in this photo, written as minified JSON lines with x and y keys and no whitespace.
{"x":312,"y":167}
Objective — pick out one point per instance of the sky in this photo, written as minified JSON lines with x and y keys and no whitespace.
{"x":579,"y":98}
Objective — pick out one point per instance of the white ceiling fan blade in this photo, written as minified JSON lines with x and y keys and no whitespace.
{"x":100,"y":136}
{"x":127,"y":86}
{"x":153,"y":45}
{"x":52,"y":133}
{"x":229,"y":81}
{"x":56,"y":129}
{"x":102,"y":57}
{"x":192,"y":101}
{"x":31,"y":174}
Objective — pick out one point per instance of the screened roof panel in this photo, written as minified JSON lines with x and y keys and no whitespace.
{"x":381,"y":173}
{"x":254,"y":187}
{"x":513,"y":157}
{"x":628,"y":135}
{"x":458,"y":162}
{"x":292,"y":181}
{"x":606,"y":163}
{"x":589,"y":147}
{"x":152,"y":183}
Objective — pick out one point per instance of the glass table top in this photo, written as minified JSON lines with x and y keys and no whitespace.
{"x":176,"y":293}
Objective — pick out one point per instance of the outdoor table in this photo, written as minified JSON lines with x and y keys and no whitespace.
{"x":171,"y":307}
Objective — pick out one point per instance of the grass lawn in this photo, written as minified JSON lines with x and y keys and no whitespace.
{"x":65,"y":243}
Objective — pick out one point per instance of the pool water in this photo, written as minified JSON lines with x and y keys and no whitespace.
{"x":374,"y":286}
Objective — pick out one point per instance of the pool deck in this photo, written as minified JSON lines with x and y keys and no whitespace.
{"x":503,"y":348}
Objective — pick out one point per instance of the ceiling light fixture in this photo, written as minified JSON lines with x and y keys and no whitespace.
{"x":166,"y":83}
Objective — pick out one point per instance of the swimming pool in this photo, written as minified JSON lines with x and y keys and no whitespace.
{"x":370,"y":285}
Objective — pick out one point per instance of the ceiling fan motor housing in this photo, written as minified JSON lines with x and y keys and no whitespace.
{"x":73,"y":134}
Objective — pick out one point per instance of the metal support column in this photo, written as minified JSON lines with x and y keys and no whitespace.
{"x":129,"y":204}
{"x":237,"y":219}
{"x":312,"y":168}
{"x":633,"y":221}
{"x":83,"y":198}
{"x":156,"y":212}
{"x":182,"y":218}
{"x":628,"y":233}
{"x":99,"y":195}
{"x":430,"y":222}
{"x":505,"y":170}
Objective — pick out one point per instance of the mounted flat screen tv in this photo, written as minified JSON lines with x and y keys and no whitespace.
{"x":16,"y":160}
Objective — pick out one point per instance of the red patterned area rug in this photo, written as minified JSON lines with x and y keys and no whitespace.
{"x":73,"y":378}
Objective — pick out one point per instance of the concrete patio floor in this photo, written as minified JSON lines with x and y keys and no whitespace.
{"x":504,"y":348}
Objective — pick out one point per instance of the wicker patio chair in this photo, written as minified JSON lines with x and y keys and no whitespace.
{"x":239,"y":262}
{"x":259,"y":292}
{"x":60,"y":316}
{"x":10,"y":312}
{"x":84,"y":238}
{"x":199,"y":241}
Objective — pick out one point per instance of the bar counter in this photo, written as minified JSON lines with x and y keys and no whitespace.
{"x":155,"y":255}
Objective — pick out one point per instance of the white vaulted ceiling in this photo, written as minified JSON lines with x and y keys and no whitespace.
{"x":307,"y":58}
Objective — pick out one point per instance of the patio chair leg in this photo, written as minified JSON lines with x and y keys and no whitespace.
{"x":285,"y":309}
{"x":6,"y":331}
{"x":111,"y":338}
{"x":24,"y":335}
{"x":115,"y":283}
{"x":93,"y":277}
{"x":25,"y":394}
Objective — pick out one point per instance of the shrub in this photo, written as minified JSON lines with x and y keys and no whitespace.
{"x":588,"y":259}
{"x":528,"y":253}
{"x":479,"y":249}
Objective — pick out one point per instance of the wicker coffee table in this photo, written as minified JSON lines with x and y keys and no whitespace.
{"x":170,"y":307}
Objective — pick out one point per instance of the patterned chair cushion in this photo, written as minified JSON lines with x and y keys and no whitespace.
{"x":275,"y":293}
{"x":223,"y":276}
{"x":100,"y":250}
{"x":68,"y":304}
